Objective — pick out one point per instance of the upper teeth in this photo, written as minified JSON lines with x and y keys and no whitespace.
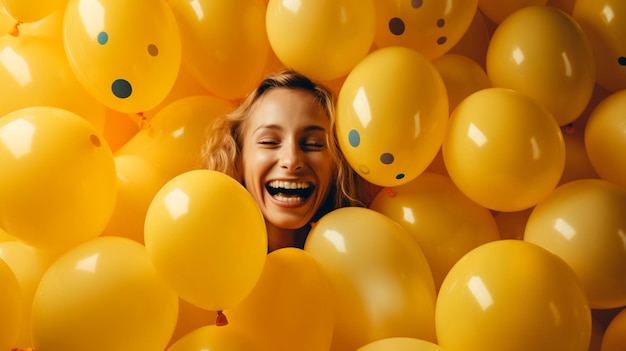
{"x":289,"y":185}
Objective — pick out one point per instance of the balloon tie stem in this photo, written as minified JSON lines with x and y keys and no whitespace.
{"x":15,"y":31}
{"x":390,"y":192}
{"x":569,"y":129}
{"x":143,"y":121}
{"x":221,"y":319}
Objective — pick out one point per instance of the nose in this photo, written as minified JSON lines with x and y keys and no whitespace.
{"x":291,"y":157}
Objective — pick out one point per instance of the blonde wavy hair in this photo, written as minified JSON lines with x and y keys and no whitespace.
{"x":222,"y":150}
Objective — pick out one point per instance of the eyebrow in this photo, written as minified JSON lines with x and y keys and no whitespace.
{"x":279,"y":128}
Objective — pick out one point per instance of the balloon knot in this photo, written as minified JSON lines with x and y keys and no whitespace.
{"x":143,"y":121}
{"x":21,"y":349}
{"x":15,"y":31}
{"x":312,"y":224}
{"x":390,"y":192}
{"x":221,"y":319}
{"x":569,"y":129}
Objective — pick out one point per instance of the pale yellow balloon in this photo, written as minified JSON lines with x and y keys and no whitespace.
{"x":32,"y":10}
{"x":290,"y":307}
{"x":207,"y":239}
{"x":103,"y":295}
{"x":11,"y":307}
{"x":583,"y":223}
{"x":381,"y":283}
{"x":177,"y":133}
{"x":443,"y":221}
{"x":28,"y":79}
{"x":58,"y":183}
{"x":138,"y":181}
{"x":400,"y":344}
{"x":28,"y":264}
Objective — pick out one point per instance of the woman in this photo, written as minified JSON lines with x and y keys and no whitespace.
{"x":281,"y":145}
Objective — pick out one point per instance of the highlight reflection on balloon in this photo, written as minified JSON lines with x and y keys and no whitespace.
{"x":583,"y":223}
{"x":512,"y":295}
{"x":392,"y":112}
{"x":503,"y":150}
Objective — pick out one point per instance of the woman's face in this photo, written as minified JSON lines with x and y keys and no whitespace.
{"x":286,"y":164}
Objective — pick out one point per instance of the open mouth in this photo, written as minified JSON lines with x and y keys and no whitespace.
{"x":290,"y":191}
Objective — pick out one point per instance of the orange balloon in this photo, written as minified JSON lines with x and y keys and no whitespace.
{"x":444,"y":222}
{"x":614,"y":337}
{"x":475,"y":41}
{"x":138,"y":181}
{"x":177,"y":133}
{"x":429,"y":27}
{"x":214,"y":338}
{"x":381,"y":283}
{"x":511,"y":225}
{"x":503,"y":150}
{"x":497,"y":11}
{"x":225,"y":45}
{"x":605,"y":138}
{"x":28,"y":80}
{"x":577,"y":163}
{"x":512,"y":295}
{"x":583,"y":223}
{"x":119,"y":128}
{"x":462,"y":77}
{"x":604,"y":23}
{"x":542,"y":52}
{"x":290,"y":307}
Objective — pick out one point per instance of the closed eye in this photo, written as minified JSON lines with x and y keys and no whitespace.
{"x":313,"y":146}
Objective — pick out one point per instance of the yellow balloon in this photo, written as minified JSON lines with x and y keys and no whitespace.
{"x":224,"y":43}
{"x":605,"y":138}
{"x":28,"y":264}
{"x":6,"y":21}
{"x":206,"y":237}
{"x":214,"y":338}
{"x":497,"y":11}
{"x":381,"y":283}
{"x":32,"y":10}
{"x":58,"y":181}
{"x":503,"y":150}
{"x":103,"y":295}
{"x":11,"y":307}
{"x":138,"y":181}
{"x":462,"y":77}
{"x":542,"y":52}
{"x":323,"y":39}
{"x":176,"y":134}
{"x":566,"y":6}
{"x":28,"y":79}
{"x":577,"y":162}
{"x":512,"y":295}
{"x":51,"y":25}
{"x":430,"y":27}
{"x":583,"y":222}
{"x":400,"y":344}
{"x":392,"y":112}
{"x":190,"y":318}
{"x":135,"y":46}
{"x":475,"y":41}
{"x":615,"y":335}
{"x":604,"y":23}
{"x":444,"y":222}
{"x":290,"y":307}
